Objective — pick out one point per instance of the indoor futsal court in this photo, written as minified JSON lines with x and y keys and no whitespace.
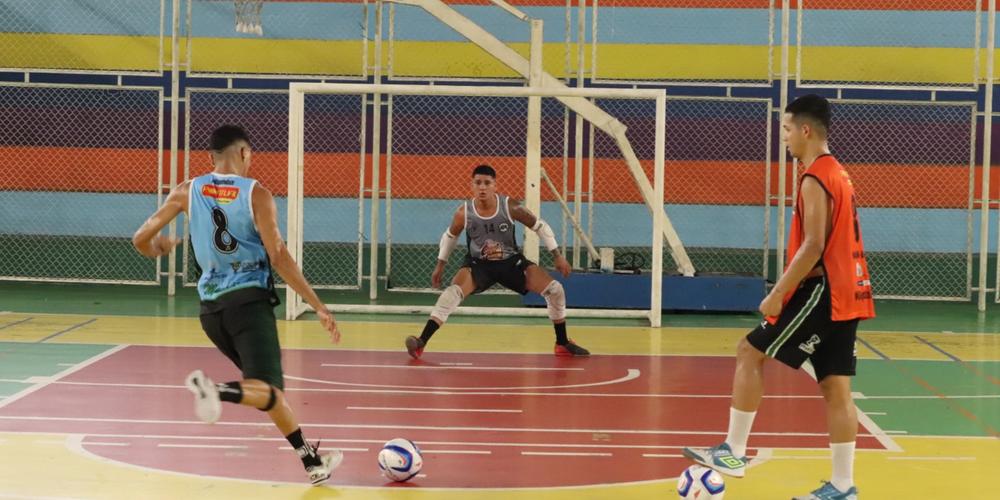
{"x":652,"y":146}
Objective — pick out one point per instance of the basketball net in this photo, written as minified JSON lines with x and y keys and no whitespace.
{"x":248,"y":16}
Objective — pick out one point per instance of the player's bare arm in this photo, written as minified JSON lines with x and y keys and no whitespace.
{"x":147,"y":239}
{"x":448,"y":241}
{"x":815,"y":221}
{"x":521,"y":214}
{"x":266,"y":219}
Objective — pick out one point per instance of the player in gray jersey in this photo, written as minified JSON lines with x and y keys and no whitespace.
{"x":494,"y":257}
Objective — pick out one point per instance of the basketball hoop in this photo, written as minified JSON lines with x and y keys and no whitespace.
{"x":248,"y":16}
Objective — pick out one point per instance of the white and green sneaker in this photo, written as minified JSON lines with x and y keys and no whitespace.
{"x":720,"y":458}
{"x":830,"y":492}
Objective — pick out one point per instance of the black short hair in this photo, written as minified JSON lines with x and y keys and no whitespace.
{"x":484,"y":169}
{"x":226,"y":136}
{"x":813,"y":107}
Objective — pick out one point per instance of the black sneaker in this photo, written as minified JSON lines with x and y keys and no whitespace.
{"x":415,"y":346}
{"x":570,"y":349}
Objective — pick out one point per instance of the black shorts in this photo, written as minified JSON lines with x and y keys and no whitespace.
{"x":248,"y":335}
{"x":508,"y":272}
{"x":804,"y":331}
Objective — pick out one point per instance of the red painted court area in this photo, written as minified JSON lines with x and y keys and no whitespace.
{"x":482,"y":420}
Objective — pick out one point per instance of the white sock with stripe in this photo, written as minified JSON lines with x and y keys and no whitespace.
{"x":740,"y":423}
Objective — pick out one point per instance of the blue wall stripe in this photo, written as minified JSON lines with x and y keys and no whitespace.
{"x":421,"y":221}
{"x":343,"y":21}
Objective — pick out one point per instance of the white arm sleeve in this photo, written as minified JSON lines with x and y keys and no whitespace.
{"x":446,"y":245}
{"x":545,"y":234}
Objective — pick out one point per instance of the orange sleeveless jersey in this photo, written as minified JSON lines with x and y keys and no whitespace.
{"x":844,"y":256}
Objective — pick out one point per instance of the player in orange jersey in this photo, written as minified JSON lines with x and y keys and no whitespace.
{"x":812,"y":312}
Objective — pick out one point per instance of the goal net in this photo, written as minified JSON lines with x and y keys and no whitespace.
{"x":426,"y":140}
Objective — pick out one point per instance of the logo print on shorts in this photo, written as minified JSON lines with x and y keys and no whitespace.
{"x":809,"y":346}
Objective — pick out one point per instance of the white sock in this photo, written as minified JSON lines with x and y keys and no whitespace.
{"x":740,"y":423}
{"x":843,"y":465}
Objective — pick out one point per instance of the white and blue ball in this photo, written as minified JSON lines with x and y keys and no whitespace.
{"x":400,"y":459}
{"x":701,"y":483}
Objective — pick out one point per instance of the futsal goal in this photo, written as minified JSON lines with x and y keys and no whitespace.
{"x":416,"y":172}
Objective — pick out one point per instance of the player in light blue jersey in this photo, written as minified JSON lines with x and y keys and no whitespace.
{"x":236,"y":240}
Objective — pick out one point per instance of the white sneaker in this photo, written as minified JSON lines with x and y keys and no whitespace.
{"x":320,"y":473}
{"x":207,"y":405}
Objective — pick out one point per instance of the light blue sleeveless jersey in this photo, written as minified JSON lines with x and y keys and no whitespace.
{"x":226,"y":243}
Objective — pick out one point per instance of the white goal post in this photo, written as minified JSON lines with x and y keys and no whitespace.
{"x":648,"y":191}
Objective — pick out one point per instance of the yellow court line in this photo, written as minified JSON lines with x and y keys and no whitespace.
{"x":472,"y":337}
{"x":933,"y":467}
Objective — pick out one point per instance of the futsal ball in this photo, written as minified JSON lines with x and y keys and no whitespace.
{"x":701,"y":483}
{"x":400,"y":459}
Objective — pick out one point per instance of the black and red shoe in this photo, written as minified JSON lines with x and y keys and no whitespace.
{"x":415,"y":346}
{"x":570,"y":349}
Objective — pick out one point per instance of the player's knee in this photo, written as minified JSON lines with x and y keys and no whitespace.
{"x":836,"y":389}
{"x":448,"y":302}
{"x":555,"y":300}
{"x":272,"y":399}
{"x":746,"y":352}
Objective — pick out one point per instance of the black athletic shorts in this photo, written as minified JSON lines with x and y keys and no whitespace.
{"x":804,"y":331}
{"x":508,"y":272}
{"x":247,"y":333}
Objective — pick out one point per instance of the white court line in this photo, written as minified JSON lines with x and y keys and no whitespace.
{"x":68,"y":371}
{"x":563,"y":454}
{"x":631,"y":374}
{"x":289,"y":448}
{"x":73,"y":444}
{"x":11,"y":496}
{"x":457,"y":410}
{"x":934,"y":458}
{"x":966,"y":396}
{"x":221,"y":446}
{"x":38,"y":380}
{"x":553,"y":430}
{"x":458,"y":452}
{"x":450,"y":367}
{"x":466,"y":393}
{"x":883,"y":437}
{"x":876,"y":413}
{"x":455,"y":364}
{"x":498,"y":444}
{"x":662,"y":455}
{"x":65,"y":364}
{"x":897,"y":433}
{"x":102,"y":443}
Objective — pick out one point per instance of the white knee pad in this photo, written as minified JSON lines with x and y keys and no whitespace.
{"x":447,"y":302}
{"x":555,"y":299}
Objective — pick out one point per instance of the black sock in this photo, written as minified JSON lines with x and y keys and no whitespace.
{"x":306,"y":452}
{"x":429,"y":330}
{"x":561,"y":333}
{"x":231,"y":392}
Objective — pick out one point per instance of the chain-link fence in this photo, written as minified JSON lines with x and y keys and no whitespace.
{"x":911,"y":165}
{"x":716,"y":163}
{"x":79,"y":173}
{"x":82,"y":35}
{"x":332,"y":165}
{"x":320,"y":38}
{"x":648,"y":41}
{"x":889,"y":44}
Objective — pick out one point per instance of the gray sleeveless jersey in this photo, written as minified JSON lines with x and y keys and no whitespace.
{"x":485,"y":232}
